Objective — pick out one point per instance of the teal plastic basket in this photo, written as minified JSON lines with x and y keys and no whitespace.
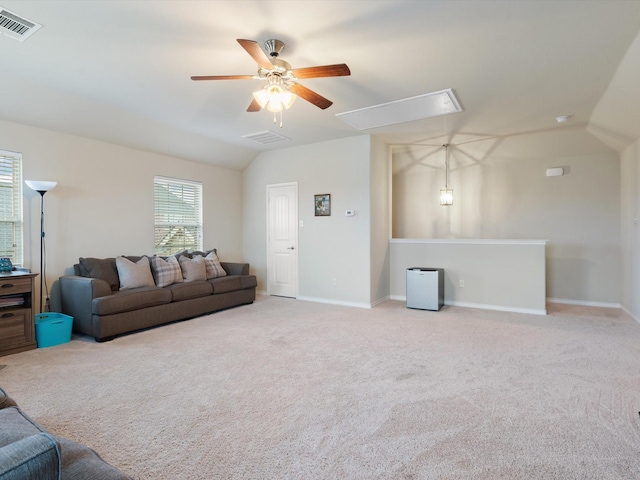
{"x":53,"y":329}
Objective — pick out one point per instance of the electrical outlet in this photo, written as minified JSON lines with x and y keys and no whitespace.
{"x":461,"y":283}
{"x":333,"y":282}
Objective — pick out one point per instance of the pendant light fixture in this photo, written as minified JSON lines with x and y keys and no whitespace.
{"x":446,"y":192}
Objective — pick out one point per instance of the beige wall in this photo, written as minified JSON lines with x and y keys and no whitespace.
{"x":380,"y":220}
{"x":616,"y":121}
{"x":501,"y":192}
{"x":335,"y":247}
{"x":103,"y":204}
{"x":630,"y":209}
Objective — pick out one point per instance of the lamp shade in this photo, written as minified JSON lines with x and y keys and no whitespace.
{"x":40,"y":186}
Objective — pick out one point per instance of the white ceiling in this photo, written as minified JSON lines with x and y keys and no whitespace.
{"x":119,"y":71}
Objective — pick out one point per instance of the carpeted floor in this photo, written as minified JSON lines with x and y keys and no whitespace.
{"x":286,"y":389}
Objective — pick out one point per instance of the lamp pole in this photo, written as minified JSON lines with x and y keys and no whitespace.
{"x":42,"y":188}
{"x":41,"y":192}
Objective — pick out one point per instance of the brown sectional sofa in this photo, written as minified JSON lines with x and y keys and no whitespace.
{"x":92,"y":297}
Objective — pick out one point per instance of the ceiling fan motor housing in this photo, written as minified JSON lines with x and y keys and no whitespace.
{"x":274,"y":47}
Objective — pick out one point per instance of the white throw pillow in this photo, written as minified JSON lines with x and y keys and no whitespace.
{"x":193,"y":269}
{"x":134,"y":275}
{"x":166,"y":272}
{"x":214,"y":269}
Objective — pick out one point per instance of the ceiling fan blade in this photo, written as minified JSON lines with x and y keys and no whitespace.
{"x":222,"y":77}
{"x":256,"y":53}
{"x":337,"y":70}
{"x":310,"y":96}
{"x":254,"y":107}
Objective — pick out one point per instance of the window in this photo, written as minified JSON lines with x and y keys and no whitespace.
{"x":178,"y":215}
{"x":11,"y":206}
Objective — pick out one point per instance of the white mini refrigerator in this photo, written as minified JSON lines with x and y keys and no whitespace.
{"x":425,"y":288}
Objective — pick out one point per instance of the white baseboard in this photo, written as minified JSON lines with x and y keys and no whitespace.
{"x":483,"y":306}
{"x":631,"y":314}
{"x":330,"y":301}
{"x":500,"y":308}
{"x":381,"y":300}
{"x":583,"y":303}
{"x":334,"y":302}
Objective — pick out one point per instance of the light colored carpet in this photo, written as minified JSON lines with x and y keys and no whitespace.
{"x":286,"y":389}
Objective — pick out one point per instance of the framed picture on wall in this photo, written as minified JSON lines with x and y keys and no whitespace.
{"x":323,"y":205}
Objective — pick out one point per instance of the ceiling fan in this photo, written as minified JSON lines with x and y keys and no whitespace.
{"x":282,"y":80}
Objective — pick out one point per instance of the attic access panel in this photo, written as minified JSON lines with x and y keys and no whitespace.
{"x":402,"y":111}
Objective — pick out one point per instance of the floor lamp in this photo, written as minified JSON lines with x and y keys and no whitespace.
{"x":41,"y":188}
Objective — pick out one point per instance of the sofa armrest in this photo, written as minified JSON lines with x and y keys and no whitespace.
{"x":37,"y":456}
{"x":76,"y":297}
{"x":233,"y":268}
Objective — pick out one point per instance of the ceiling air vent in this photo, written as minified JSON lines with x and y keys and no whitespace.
{"x":15,"y":26}
{"x":266,"y":138}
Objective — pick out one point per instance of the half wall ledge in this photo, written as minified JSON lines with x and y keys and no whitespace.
{"x":495,"y":274}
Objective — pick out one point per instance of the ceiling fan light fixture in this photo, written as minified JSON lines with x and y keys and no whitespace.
{"x":274,"y":98}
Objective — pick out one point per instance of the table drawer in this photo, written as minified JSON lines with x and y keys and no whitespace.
{"x":13,"y":326}
{"x":10,"y":286}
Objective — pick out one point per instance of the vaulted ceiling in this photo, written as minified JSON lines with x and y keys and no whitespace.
{"x":119,"y":71}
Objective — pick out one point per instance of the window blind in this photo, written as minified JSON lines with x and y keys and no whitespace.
{"x":177,"y":215}
{"x":11,"y":206}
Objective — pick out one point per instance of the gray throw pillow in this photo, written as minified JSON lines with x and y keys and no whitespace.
{"x":166,"y":272}
{"x":193,"y":269}
{"x":214,"y":269}
{"x":102,"y":268}
{"x":134,"y":275}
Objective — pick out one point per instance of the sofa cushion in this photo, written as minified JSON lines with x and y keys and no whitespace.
{"x":6,"y":400}
{"x":193,"y":269}
{"x":82,"y":463}
{"x":166,"y":272}
{"x":214,"y":269}
{"x":185,"y":291}
{"x":201,"y":253}
{"x":16,"y":425}
{"x":131,"y":299}
{"x":134,"y":275}
{"x":226,"y":284}
{"x":78,"y":462}
{"x":33,"y":457}
{"x":103,"y":268}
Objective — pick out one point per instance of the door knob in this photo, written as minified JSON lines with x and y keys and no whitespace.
{"x":291,"y":248}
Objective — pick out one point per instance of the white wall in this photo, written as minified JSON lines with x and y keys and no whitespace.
{"x":630,"y":209}
{"x":335,"y":247}
{"x":103,"y":204}
{"x":501,"y":191}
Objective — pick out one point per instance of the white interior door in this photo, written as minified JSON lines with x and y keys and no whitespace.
{"x":282,"y":239}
